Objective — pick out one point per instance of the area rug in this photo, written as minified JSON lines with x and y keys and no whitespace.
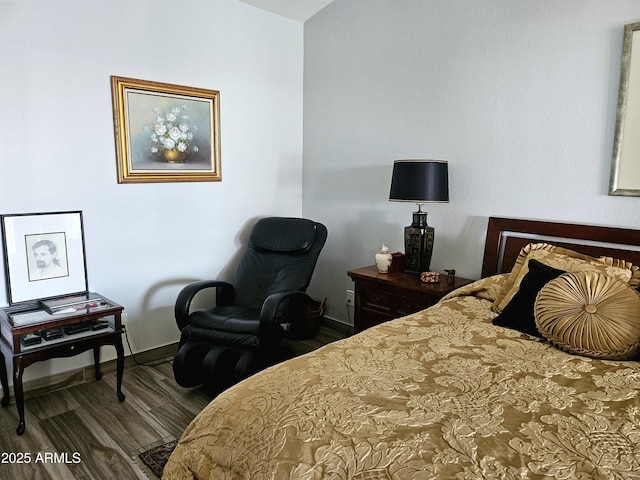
{"x":156,"y":458}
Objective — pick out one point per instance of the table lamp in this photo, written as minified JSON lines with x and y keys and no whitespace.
{"x":419,"y":181}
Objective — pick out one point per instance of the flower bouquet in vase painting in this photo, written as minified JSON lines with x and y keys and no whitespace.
{"x":171,"y":134}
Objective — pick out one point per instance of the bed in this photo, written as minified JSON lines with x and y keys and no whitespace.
{"x":449,"y":392}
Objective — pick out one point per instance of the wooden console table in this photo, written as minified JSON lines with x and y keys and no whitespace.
{"x":69,"y":334}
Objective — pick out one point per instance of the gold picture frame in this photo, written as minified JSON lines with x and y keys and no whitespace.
{"x":165,"y":132}
{"x":625,"y":166}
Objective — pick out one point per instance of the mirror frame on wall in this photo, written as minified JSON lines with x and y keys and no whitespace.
{"x":625,"y":165}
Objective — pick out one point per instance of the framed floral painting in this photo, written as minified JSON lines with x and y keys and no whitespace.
{"x":164,"y":132}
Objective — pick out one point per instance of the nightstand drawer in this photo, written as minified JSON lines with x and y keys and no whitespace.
{"x":377,"y":299}
{"x":371,"y":318}
{"x":407,"y":306}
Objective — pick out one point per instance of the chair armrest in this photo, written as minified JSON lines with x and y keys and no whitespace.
{"x":224,"y":296}
{"x":282,"y":309}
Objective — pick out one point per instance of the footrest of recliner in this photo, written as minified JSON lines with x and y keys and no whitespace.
{"x":219,"y":367}
{"x":187,"y":364}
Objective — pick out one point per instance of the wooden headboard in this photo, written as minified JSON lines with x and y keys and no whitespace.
{"x":506,"y":236}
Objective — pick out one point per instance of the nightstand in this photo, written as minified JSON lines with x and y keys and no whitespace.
{"x":385,"y":296}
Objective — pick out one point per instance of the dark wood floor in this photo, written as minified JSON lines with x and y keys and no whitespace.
{"x":84,"y":432}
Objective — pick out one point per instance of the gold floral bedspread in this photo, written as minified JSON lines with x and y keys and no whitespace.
{"x":440,"y":394}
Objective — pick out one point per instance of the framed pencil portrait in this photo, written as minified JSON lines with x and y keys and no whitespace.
{"x":44,"y":255}
{"x":165,"y":132}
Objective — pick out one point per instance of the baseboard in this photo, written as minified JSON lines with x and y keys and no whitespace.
{"x":337,"y":325}
{"x":40,"y":386}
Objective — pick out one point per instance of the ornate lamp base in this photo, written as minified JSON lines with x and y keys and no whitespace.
{"x":418,"y":244}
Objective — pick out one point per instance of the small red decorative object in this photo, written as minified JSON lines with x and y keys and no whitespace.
{"x":398,"y":263}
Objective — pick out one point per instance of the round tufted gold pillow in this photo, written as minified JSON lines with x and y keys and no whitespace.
{"x":590,"y":314}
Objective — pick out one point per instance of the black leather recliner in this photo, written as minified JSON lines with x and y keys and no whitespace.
{"x":266,"y":303}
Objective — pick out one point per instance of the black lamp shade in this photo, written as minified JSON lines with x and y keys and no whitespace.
{"x":420,"y":181}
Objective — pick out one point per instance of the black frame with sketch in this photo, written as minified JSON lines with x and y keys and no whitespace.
{"x":44,"y":255}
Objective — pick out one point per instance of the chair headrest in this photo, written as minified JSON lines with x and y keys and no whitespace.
{"x":282,"y":234}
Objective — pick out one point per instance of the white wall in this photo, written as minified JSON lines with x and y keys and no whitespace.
{"x":144,"y":242}
{"x":519,"y":96}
